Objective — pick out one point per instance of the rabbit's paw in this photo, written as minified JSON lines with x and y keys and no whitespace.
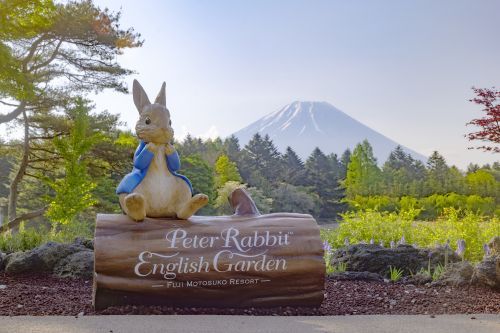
{"x":192,"y":206}
{"x":135,"y":206}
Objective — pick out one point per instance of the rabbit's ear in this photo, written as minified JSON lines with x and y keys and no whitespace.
{"x":161,"y":98}
{"x":140,"y":98}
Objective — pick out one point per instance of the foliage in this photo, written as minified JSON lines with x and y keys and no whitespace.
{"x":226,"y":170}
{"x":199,"y":173}
{"x":294,"y":199}
{"x":24,"y":239}
{"x":395,"y":274}
{"x":489,"y":129}
{"x":363,"y":173}
{"x":27,"y":238}
{"x":73,"y":193}
{"x":322,"y":176}
{"x":454,"y":225}
{"x":428,"y":208}
{"x":50,"y":54}
{"x":222,"y":205}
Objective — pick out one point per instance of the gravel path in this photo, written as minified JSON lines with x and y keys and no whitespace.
{"x":49,"y":295}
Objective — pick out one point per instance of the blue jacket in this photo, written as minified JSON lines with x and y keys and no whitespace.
{"x":142,"y":160}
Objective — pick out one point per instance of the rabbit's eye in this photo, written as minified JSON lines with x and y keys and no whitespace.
{"x":147,"y":121}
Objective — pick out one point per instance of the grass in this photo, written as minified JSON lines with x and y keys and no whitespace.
{"x":28,"y":238}
{"x":395,"y":274}
{"x":453,"y":225}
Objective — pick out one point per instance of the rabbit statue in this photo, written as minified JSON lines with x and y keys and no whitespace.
{"x":153,"y":188}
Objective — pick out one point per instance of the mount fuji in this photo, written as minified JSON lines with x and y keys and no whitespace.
{"x":307,"y":125}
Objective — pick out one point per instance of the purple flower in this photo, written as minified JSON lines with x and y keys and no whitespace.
{"x":393,"y":245}
{"x":486,"y":249}
{"x":402,"y":241}
{"x":327,"y":247}
{"x":460,"y":247}
{"x":382,"y":243}
{"x":372,"y":241}
{"x":447,"y":245}
{"x":346,"y":241}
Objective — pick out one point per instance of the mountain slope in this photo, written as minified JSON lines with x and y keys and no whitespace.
{"x":306,"y":125}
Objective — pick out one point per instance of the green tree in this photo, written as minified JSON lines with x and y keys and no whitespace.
{"x":295,"y":199}
{"x":437,"y":174}
{"x":320,"y":176}
{"x":402,"y":175}
{"x":294,"y":171}
{"x":73,"y":51}
{"x":200,"y":174}
{"x":261,"y":163}
{"x":363,"y":175}
{"x":482,"y":183}
{"x":225,"y":171}
{"x":73,"y":192}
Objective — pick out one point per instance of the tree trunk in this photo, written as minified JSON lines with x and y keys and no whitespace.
{"x":243,"y":260}
{"x":13,"y":190}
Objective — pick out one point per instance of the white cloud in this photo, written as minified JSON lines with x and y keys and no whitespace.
{"x":212,"y":133}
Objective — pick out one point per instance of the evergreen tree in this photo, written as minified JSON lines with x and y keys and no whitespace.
{"x":261,"y":163}
{"x":72,"y":52}
{"x":344,"y":163}
{"x":437,"y":174}
{"x":232,"y":148}
{"x":363,"y":175}
{"x":320,"y":176}
{"x":294,"y":171}
{"x":402,"y":175}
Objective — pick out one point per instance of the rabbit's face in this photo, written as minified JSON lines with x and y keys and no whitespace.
{"x":154,"y":125}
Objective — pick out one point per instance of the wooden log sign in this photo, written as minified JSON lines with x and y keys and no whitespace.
{"x":243,"y":260}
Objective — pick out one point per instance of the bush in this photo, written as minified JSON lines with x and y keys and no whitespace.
{"x":454,"y":224}
{"x":430,"y":207}
{"x":28,"y":238}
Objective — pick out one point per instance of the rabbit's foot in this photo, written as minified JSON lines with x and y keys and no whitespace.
{"x":192,"y":206}
{"x":135,"y":206}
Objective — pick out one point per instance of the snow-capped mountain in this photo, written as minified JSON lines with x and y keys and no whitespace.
{"x":306,"y":125}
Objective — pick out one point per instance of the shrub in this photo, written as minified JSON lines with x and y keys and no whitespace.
{"x":453,"y":225}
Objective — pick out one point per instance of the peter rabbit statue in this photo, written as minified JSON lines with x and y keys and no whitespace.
{"x":153,"y":188}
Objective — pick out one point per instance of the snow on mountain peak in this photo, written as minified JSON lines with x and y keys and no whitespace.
{"x":305,"y":125}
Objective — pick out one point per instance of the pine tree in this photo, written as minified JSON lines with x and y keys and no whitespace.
{"x":320,"y":176}
{"x":294,"y":171}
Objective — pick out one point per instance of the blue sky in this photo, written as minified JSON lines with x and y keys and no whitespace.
{"x":404,"y":68}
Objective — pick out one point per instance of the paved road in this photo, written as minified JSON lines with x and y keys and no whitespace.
{"x":244,"y":324}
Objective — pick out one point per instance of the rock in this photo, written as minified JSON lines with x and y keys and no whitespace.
{"x":494,"y":246}
{"x":2,"y":260}
{"x":349,"y":275}
{"x":487,"y":272}
{"x":51,"y":253}
{"x":419,"y":279}
{"x":456,"y":274}
{"x":23,"y":262}
{"x":377,"y":259}
{"x":76,"y":265}
{"x":40,"y":259}
{"x":87,"y":243}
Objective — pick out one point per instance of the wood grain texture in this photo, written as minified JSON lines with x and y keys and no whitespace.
{"x":293,"y":273}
